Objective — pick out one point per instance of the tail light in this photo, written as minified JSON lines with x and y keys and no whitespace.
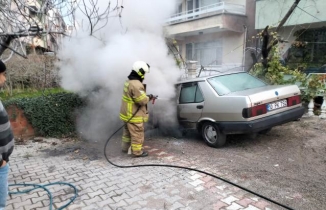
{"x":254,"y":111}
{"x":294,"y":100}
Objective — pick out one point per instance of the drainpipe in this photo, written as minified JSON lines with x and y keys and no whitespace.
{"x":244,"y":47}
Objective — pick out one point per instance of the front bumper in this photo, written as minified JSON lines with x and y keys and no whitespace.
{"x":261,"y":124}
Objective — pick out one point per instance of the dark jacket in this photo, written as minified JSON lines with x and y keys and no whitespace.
{"x":6,"y":135}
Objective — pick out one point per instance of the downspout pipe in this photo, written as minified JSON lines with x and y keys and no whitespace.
{"x":244,"y":47}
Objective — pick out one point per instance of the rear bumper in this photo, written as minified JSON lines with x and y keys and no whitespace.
{"x":261,"y":124}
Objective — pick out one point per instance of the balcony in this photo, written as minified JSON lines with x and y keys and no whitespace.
{"x":209,"y":19}
{"x":209,"y":10}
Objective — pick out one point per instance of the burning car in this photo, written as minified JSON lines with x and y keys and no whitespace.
{"x":235,"y":103}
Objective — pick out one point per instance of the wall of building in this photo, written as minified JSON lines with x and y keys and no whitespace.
{"x":271,"y":12}
{"x":251,"y":31}
{"x":241,"y":2}
{"x":233,"y":47}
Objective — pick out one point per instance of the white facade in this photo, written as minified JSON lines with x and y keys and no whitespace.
{"x":55,"y":22}
{"x":271,"y":12}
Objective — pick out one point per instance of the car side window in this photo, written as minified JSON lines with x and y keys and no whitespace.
{"x":199,"y":96}
{"x":190,"y":93}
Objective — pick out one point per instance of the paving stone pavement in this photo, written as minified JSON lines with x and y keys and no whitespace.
{"x":103,"y":186}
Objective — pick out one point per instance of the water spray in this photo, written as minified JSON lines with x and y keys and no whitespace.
{"x":158,"y":98}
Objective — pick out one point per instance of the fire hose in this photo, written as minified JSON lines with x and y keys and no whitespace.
{"x":182,"y":167}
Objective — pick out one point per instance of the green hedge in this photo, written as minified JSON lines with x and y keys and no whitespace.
{"x":51,"y":115}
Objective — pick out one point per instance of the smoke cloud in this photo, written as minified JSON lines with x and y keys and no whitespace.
{"x":97,"y":66}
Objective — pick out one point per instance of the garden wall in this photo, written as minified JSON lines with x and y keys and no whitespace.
{"x":19,"y":123}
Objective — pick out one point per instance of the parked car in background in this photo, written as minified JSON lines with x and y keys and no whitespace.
{"x":235,"y":103}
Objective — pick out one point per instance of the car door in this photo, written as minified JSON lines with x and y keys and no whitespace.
{"x":190,"y":104}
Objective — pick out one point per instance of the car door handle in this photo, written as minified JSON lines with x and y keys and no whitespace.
{"x":200,"y":106}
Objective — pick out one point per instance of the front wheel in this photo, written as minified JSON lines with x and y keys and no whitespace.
{"x":212,"y":135}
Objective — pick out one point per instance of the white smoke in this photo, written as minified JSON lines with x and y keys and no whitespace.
{"x":105,"y":61}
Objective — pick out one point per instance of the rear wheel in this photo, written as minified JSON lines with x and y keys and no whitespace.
{"x":212,"y":135}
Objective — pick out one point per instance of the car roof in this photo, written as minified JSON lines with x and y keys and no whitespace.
{"x":199,"y":79}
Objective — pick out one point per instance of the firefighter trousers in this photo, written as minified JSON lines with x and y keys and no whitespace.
{"x":133,"y":135}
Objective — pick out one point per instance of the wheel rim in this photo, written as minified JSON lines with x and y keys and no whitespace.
{"x":210,"y":134}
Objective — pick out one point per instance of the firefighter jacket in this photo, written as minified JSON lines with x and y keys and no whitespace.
{"x":134,"y":97}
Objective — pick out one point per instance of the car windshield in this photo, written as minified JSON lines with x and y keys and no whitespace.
{"x":234,"y":82}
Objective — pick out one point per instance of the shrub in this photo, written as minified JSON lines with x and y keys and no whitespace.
{"x":51,"y":115}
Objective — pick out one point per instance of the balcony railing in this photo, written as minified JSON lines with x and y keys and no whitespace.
{"x":212,"y":9}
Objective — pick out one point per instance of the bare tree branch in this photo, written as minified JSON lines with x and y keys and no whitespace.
{"x":44,"y":23}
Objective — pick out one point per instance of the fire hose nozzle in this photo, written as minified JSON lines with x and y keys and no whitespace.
{"x":154,"y":98}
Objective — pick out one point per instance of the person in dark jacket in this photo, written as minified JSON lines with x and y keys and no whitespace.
{"x":6,"y":144}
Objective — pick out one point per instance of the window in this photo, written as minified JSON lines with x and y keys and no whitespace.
{"x":206,"y":53}
{"x":309,"y":47}
{"x":189,"y":52}
{"x":180,"y":8}
{"x":192,"y":6}
{"x":234,"y":82}
{"x":190,"y":93}
{"x":204,"y":3}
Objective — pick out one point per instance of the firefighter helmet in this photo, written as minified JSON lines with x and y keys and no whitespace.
{"x":141,"y":68}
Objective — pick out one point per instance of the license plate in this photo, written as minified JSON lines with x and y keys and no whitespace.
{"x":277,"y":105}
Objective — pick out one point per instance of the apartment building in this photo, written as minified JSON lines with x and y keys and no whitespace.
{"x":304,"y":31}
{"x":50,"y":20}
{"x":30,"y":23}
{"x":55,"y":23}
{"x":213,"y":32}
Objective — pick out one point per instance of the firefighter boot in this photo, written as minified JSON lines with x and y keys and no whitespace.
{"x":125,"y":147}
{"x":144,"y":154}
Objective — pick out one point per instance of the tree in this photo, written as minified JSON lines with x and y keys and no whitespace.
{"x":38,"y":26}
{"x":269,"y":43}
{"x":45,"y":21}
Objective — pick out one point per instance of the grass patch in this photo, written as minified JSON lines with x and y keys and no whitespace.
{"x":28,"y":93}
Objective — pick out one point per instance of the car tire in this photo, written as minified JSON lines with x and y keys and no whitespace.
{"x":212,"y":135}
{"x":265,"y":131}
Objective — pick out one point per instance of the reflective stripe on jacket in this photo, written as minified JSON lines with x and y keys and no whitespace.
{"x":134,"y":96}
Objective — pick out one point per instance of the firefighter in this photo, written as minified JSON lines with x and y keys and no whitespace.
{"x":133,"y":110}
